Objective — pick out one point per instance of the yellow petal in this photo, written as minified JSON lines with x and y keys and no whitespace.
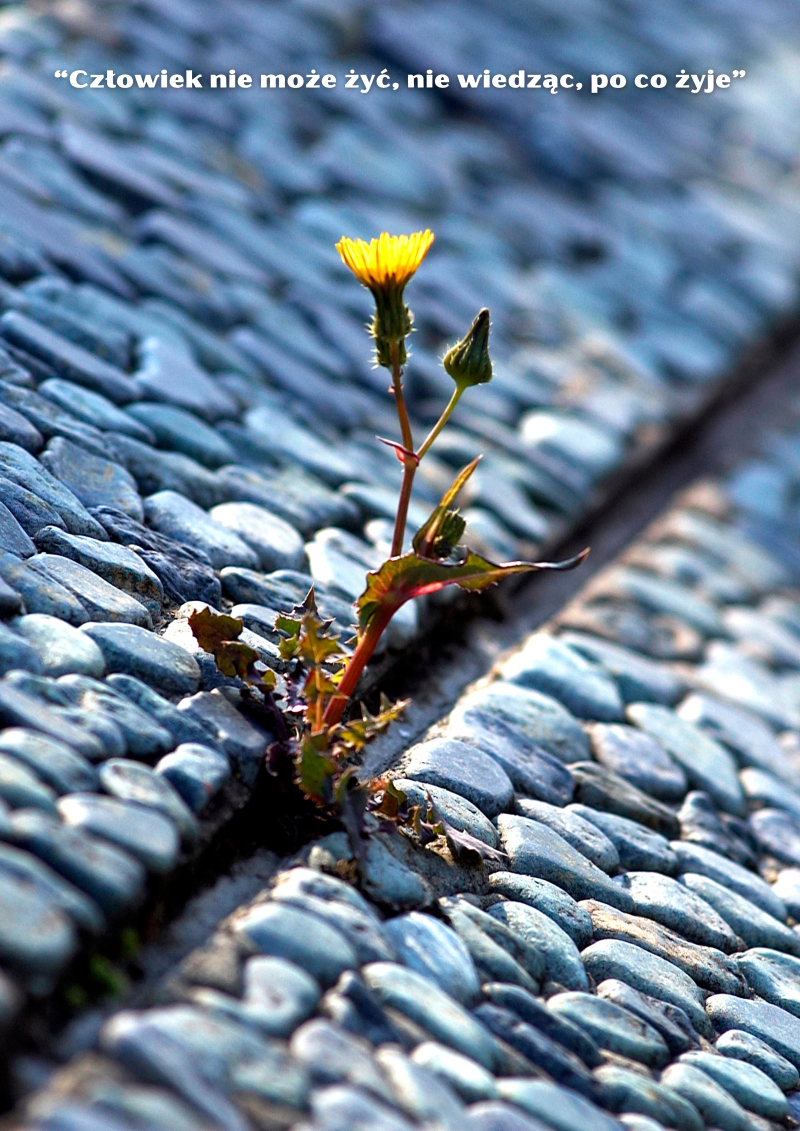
{"x":388,"y":261}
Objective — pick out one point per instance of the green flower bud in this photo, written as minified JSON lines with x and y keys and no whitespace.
{"x":468,"y":361}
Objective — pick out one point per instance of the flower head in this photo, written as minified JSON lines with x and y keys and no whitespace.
{"x":387,"y":262}
{"x":384,"y":266}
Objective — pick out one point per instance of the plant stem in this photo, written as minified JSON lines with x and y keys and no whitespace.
{"x":409,"y":463}
{"x":358,"y":661}
{"x":318,"y":704}
{"x":397,"y":387}
{"x":440,"y":423}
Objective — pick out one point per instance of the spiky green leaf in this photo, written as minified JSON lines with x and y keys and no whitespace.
{"x":358,"y":732}
{"x":315,"y":768}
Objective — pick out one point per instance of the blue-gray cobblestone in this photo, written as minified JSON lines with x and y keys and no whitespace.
{"x":101,"y":600}
{"x":128,"y":650}
{"x":649,"y":973}
{"x":31,"y":512}
{"x":141,"y":736}
{"x":147,"y":835}
{"x":196,"y":771}
{"x":171,"y":514}
{"x":180,"y":431}
{"x":531,"y":769}
{"x":433,"y":949}
{"x":52,"y":761}
{"x":638,"y":848}
{"x":549,"y":665}
{"x":678,"y":907}
{"x":753,"y":925}
{"x":669,"y":1020}
{"x":621,"y":293}
{"x":93,"y":408}
{"x":548,"y":898}
{"x":742,"y":1046}
{"x":456,"y":809}
{"x":715,"y":1104}
{"x":641,"y":759}
{"x":612,"y":1027}
{"x":13,"y":538}
{"x":562,"y":963}
{"x":39,"y":593}
{"x":702,"y":824}
{"x":276,"y":544}
{"x":97,"y":482}
{"x":21,"y":468}
{"x":541,"y":719}
{"x":113,"y":878}
{"x":63,"y":650}
{"x":119,"y":565}
{"x":536,"y":850}
{"x":17,"y":652}
{"x":131,"y":781}
{"x":288,"y":932}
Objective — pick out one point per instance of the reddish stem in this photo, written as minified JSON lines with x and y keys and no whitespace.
{"x":358,"y":661}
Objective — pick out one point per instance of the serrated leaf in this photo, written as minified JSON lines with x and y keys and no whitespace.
{"x":433,"y":530}
{"x":315,"y":768}
{"x":315,"y":646}
{"x":234,"y":658}
{"x":219,"y":634}
{"x":358,"y":732}
{"x":392,"y":800}
{"x":463,"y":844}
{"x":400,"y":579}
{"x":212,"y":629}
{"x":287,"y":624}
{"x":317,"y":683}
{"x":289,"y":649}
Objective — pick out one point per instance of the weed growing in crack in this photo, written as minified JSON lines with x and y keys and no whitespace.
{"x":322,"y":673}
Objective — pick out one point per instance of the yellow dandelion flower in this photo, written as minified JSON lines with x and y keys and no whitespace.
{"x":384,"y":266}
{"x":387,"y":262}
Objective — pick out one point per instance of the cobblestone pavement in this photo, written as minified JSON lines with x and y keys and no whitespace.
{"x":628,"y":954}
{"x":188,"y":413}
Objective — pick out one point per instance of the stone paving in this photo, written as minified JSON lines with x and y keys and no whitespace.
{"x":629,"y":954}
{"x":187,"y":414}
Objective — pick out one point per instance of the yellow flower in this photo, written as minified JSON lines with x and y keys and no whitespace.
{"x":388,"y":262}
{"x":384,"y":266}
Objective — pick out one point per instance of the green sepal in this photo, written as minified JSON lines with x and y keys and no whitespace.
{"x":390,"y":325}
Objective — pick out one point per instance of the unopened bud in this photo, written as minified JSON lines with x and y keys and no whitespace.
{"x":468,"y":361}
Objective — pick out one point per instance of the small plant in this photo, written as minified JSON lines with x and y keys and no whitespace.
{"x":325,"y":675}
